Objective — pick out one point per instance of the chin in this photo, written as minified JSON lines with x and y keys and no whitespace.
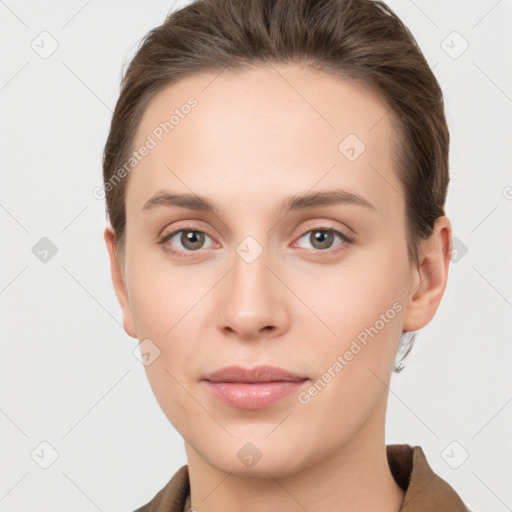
{"x":256,"y":458}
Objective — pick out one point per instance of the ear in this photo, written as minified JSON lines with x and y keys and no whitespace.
{"x":119,"y":283}
{"x":429,"y":276}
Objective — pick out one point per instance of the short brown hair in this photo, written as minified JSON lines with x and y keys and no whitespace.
{"x":361,"y":40}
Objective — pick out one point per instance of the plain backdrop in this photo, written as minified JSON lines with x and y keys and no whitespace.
{"x":74,"y":397}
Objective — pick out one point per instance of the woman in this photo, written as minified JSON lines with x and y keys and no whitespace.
{"x":275,"y":175}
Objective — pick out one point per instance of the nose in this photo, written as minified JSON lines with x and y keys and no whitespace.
{"x":252,"y":299}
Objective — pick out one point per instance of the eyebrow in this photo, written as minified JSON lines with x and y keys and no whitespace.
{"x":292,"y":203}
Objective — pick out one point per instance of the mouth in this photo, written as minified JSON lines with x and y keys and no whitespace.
{"x":256,"y":388}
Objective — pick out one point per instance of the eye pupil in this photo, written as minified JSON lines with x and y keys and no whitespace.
{"x":322,"y":236}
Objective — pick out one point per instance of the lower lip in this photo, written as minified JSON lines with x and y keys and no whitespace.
{"x":253,"y":395}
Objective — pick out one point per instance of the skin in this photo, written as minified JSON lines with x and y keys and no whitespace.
{"x":251,"y":142}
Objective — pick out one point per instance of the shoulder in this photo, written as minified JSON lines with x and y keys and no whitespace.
{"x":423,"y":487}
{"x":171,"y":498}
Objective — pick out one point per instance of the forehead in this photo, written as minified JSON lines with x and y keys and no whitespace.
{"x":265,"y":126}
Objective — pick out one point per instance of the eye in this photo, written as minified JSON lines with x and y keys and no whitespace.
{"x":322,"y":239}
{"x":190,"y":240}
{"x":183,"y":242}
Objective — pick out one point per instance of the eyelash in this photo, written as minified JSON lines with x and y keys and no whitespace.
{"x":163,"y":241}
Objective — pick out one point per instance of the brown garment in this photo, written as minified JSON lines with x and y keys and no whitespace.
{"x":425,"y":490}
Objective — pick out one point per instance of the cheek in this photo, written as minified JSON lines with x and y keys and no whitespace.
{"x":160,"y":292}
{"x":167,"y":306}
{"x":164,"y":304}
{"x":354,"y":311}
{"x":349,"y":297}
{"x":171,"y":306}
{"x":353,"y":355}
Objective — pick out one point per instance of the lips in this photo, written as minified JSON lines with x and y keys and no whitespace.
{"x":254,"y":375}
{"x":257,"y":388}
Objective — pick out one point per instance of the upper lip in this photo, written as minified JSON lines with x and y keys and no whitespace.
{"x":256,"y":374}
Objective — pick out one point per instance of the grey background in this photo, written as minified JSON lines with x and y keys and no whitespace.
{"x":68,"y":372}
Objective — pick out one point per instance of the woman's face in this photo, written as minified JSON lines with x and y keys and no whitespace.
{"x":254,"y":282}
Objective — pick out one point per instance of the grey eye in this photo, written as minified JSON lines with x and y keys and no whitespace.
{"x":322,"y":239}
{"x":190,"y":239}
